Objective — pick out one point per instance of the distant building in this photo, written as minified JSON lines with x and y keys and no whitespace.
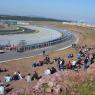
{"x":8,"y":22}
{"x":22,"y":23}
{"x":79,"y":24}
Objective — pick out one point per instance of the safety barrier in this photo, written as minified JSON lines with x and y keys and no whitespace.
{"x":65,"y":37}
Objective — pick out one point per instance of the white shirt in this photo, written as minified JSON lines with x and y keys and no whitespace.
{"x":28,"y":78}
{"x":2,"y":89}
{"x":74,"y":63}
{"x":60,"y":62}
{"x":47,"y":72}
{"x":7,"y":78}
{"x":20,"y":76}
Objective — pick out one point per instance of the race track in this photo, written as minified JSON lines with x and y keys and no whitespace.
{"x":69,"y":39}
{"x":44,"y":34}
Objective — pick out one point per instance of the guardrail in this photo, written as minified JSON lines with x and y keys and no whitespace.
{"x":65,"y":37}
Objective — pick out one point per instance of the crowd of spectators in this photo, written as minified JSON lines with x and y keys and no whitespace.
{"x":83,"y":59}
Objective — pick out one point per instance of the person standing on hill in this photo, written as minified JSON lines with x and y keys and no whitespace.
{"x":44,"y":53}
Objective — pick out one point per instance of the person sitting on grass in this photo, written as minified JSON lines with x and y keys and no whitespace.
{"x":69,"y":65}
{"x":47,"y":60}
{"x":28,"y":78}
{"x":15,"y":76}
{"x":53,"y":70}
{"x":7,"y":78}
{"x":79,"y":63}
{"x":70,"y":55}
{"x":20,"y":76}
{"x":34,"y":64}
{"x":41,"y":63}
{"x":61,"y":64}
{"x":47,"y":71}
{"x":73,"y":65}
{"x":2,"y":88}
{"x":78,"y":56}
{"x":35,"y":76}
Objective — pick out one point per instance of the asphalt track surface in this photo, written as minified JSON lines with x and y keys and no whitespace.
{"x":13,"y":55}
{"x":31,"y":38}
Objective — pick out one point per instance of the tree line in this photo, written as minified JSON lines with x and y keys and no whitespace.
{"x":26,"y":18}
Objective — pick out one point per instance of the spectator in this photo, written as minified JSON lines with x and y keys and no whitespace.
{"x":41,"y":63}
{"x":85,"y":64}
{"x":20,"y":76}
{"x":47,"y":72}
{"x":28,"y":78}
{"x":92,"y":60}
{"x":59,"y":59}
{"x":35,"y":76}
{"x":44,"y":53}
{"x":73,"y":65}
{"x":53,"y":70}
{"x":78,"y":63}
{"x":69,"y":65}
{"x":47,"y":60}
{"x":7,"y":78}
{"x":70,"y":55}
{"x":93,"y":55}
{"x":34,"y":64}
{"x":88,"y":62}
{"x":78,"y":56}
{"x":2,"y":88}
{"x":15,"y":76}
{"x":61,"y":64}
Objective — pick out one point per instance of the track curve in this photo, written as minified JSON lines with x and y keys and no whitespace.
{"x":67,"y":41}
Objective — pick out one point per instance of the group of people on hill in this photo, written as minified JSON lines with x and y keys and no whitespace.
{"x":84,"y":58}
{"x":42,"y":62}
{"x":18,"y":76}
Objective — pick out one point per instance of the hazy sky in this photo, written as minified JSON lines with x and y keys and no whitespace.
{"x":62,"y":9}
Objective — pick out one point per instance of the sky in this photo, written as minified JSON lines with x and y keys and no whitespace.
{"x":77,"y":10}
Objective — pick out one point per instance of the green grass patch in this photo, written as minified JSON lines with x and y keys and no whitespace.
{"x":20,"y":30}
{"x":86,"y":88}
